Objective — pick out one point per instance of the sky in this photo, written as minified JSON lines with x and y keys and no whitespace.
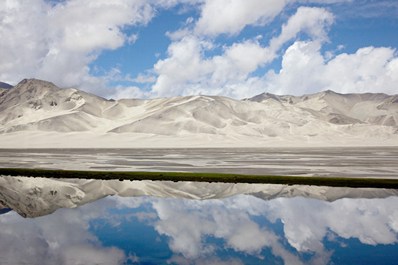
{"x":234,"y":48}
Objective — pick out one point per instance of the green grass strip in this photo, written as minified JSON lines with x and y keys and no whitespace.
{"x":205,"y":177}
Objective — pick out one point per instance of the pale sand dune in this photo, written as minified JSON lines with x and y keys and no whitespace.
{"x":38,"y":114}
{"x":32,"y":197}
{"x":40,"y":139}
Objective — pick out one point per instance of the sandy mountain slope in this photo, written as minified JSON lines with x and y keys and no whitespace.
{"x":368,"y":108}
{"x":33,"y":197}
{"x":34,"y":109}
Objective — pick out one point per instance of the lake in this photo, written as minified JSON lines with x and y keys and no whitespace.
{"x":53,"y":221}
{"x":48,"y":221}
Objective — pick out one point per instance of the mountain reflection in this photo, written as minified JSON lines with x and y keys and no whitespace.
{"x":229,"y":224}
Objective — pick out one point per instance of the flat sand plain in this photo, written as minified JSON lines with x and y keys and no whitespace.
{"x":339,"y":162}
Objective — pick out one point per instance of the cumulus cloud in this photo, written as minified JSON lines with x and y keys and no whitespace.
{"x":313,"y":21}
{"x":58,"y":42}
{"x":224,"y":16}
{"x":187,"y":70}
{"x":306,"y":70}
{"x":123,"y":92}
{"x":231,"y":17}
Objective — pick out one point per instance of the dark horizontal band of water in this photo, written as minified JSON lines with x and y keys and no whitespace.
{"x":205,"y":177}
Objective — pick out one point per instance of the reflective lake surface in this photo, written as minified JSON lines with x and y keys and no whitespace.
{"x":194,"y":223}
{"x":353,"y":162}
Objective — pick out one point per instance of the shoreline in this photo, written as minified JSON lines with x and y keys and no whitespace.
{"x":350,"y":182}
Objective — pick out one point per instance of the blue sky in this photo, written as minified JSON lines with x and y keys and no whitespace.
{"x":238,"y":48}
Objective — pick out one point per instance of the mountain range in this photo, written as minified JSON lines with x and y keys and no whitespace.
{"x":36,"y":113}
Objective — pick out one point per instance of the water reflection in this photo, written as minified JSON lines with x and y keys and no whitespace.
{"x":248,"y":224}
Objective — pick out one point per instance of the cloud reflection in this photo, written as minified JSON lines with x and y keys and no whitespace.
{"x":307,"y":223}
{"x":188,"y":223}
{"x":202,"y":231}
{"x":61,"y":238}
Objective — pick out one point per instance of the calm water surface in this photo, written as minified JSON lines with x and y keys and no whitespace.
{"x":256,"y":228}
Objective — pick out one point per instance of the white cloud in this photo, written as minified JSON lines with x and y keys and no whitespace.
{"x":231,"y":17}
{"x":88,"y":26}
{"x":58,"y":42}
{"x":132,"y":38}
{"x":313,"y":21}
{"x":60,"y":238}
{"x":187,"y":70}
{"x":367,"y":68}
{"x":225,"y":16}
{"x":298,"y":61}
{"x":145,"y":78}
{"x":123,"y":92}
{"x":171,"y":3}
{"x":324,"y":1}
{"x":24,"y":41}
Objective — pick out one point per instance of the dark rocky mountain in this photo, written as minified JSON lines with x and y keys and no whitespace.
{"x":5,"y":85}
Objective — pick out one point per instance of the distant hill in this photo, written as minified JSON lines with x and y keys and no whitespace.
{"x":5,"y":85}
{"x":69,"y":117}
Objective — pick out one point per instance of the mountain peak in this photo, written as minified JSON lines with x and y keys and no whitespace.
{"x":35,"y":82}
{"x":330,"y":92}
{"x":29,"y":91}
{"x":34,"y":87}
{"x":263,"y":96}
{"x":322,"y":94}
